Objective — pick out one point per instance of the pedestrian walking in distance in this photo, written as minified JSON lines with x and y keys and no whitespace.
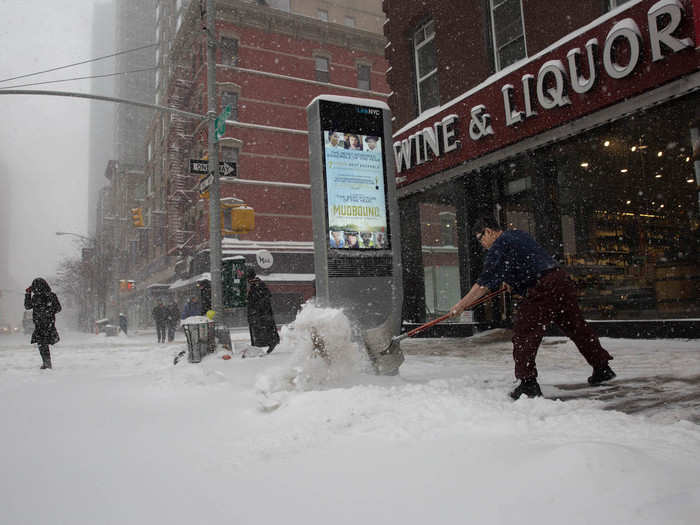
{"x":173,"y":318}
{"x":548,"y":296}
{"x":192,"y":308}
{"x":123,"y":323}
{"x":44,"y":305}
{"x":160,"y":316}
{"x":261,"y":322}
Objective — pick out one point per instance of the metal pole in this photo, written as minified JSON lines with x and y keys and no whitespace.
{"x":214,"y":190}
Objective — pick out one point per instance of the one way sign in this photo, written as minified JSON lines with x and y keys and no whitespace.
{"x":227,"y":168}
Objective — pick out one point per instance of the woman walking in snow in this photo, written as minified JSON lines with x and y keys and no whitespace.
{"x":261,"y":321}
{"x":44,"y":305}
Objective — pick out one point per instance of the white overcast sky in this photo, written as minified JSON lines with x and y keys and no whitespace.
{"x":44,"y":140}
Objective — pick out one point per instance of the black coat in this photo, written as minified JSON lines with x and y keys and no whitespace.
{"x":261,"y":322}
{"x":44,"y":305}
{"x":160,"y":314}
{"x":173,"y":314}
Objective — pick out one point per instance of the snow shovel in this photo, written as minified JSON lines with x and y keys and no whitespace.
{"x":374,"y":336}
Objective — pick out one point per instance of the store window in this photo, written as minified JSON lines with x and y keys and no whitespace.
{"x":322,"y":69}
{"x":229,"y":51}
{"x":425,"y":56}
{"x":507,"y":32}
{"x":439,"y":254}
{"x":619,"y":208}
{"x":363,"y":76}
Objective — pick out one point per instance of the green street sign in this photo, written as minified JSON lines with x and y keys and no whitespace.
{"x":220,"y":122}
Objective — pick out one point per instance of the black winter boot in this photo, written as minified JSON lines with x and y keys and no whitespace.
{"x":45,"y":357}
{"x":529,"y":387}
{"x":601,"y":375}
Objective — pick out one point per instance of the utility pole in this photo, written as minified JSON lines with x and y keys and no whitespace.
{"x":214,"y":189}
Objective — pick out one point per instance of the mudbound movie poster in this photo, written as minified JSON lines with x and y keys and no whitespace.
{"x":356,"y":194}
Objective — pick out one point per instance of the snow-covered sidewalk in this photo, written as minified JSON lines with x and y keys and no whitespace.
{"x":117,"y":434}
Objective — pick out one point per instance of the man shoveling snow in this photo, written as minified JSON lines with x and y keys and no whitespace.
{"x":549,"y":295}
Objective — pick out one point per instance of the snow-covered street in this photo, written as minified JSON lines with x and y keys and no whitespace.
{"x":116,"y":434}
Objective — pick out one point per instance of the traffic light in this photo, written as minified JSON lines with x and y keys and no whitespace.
{"x":137,"y":217}
{"x":236,"y":219}
{"x":126,"y":286}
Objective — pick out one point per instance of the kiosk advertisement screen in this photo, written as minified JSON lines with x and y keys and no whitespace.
{"x":355,"y":191}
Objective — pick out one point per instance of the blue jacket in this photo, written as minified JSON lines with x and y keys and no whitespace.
{"x":515,"y":258}
{"x":191,"y":308}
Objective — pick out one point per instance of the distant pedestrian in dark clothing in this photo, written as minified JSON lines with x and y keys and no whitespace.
{"x":44,"y":305}
{"x":173,"y":318}
{"x":192,"y":307}
{"x":160,"y":316}
{"x":123,"y":323}
{"x":261,"y":321}
{"x":549,"y":296}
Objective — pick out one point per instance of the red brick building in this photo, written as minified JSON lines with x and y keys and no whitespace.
{"x":270,"y":65}
{"x":578,"y":123}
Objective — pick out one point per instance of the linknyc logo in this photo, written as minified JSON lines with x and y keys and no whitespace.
{"x":369,"y":111}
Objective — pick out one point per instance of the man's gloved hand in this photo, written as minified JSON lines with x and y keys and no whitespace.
{"x":28,"y":290}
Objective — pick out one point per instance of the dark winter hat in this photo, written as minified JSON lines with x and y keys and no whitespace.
{"x":250,"y":273}
{"x":40,"y":285}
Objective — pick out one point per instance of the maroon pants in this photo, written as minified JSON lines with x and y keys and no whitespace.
{"x":552,"y":300}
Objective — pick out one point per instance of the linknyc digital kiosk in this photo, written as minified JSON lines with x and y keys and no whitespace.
{"x":357,"y":252}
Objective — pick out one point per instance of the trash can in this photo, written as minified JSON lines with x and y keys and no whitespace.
{"x":110,"y":330}
{"x":200,"y":334}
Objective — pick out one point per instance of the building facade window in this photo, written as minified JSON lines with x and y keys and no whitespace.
{"x":508,"y":32}
{"x":439,"y":253}
{"x":229,"y":51}
{"x":350,"y":21}
{"x":363,"y":76}
{"x":322,"y":69}
{"x":448,"y":228}
{"x":229,"y":153}
{"x":425,"y":56}
{"x":322,"y":15}
{"x":230,"y":98}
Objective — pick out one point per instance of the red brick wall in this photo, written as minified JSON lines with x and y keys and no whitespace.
{"x":281,"y":213}
{"x":464,"y":53}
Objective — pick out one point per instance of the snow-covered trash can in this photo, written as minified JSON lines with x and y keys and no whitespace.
{"x":200,"y":334}
{"x":110,"y":330}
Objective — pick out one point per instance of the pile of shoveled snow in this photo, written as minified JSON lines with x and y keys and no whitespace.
{"x":322,"y":352}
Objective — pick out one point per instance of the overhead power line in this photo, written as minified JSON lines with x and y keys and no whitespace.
{"x":80,"y":78}
{"x":81,"y":63}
